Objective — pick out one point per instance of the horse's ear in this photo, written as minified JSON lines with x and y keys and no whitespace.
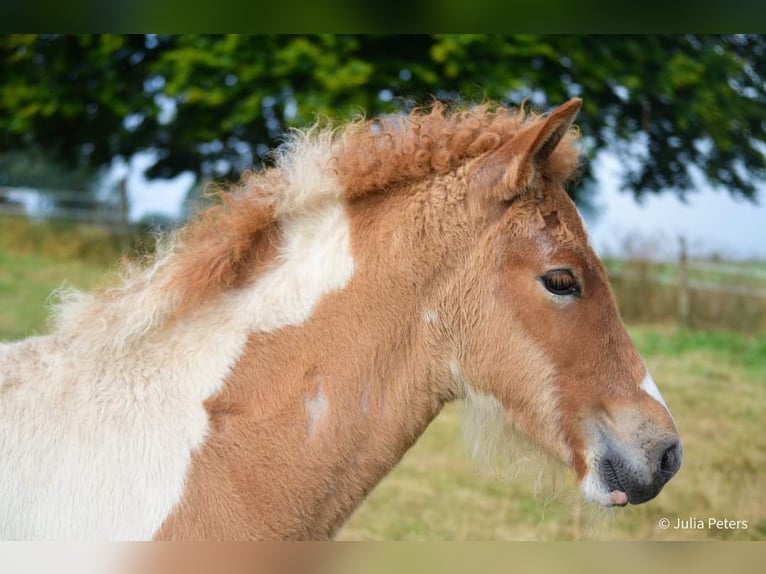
{"x":516,"y":162}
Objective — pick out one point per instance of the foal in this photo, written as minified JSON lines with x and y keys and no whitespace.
{"x":282,"y":352}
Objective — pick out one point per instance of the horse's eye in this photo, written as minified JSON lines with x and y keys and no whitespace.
{"x":561,"y":282}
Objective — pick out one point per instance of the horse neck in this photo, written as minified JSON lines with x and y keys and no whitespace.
{"x":313,"y":416}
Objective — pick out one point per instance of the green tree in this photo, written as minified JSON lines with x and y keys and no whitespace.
{"x":668,"y":105}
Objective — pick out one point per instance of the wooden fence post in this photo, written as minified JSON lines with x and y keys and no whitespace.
{"x":684,"y":306}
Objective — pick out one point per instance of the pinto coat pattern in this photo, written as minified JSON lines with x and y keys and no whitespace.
{"x":278,"y":356}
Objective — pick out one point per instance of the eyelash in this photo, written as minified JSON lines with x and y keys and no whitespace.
{"x":561,"y":282}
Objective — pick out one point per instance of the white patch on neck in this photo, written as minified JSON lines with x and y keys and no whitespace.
{"x":456,"y":373}
{"x":95,"y":442}
{"x":650,"y":388}
{"x":364,"y":398}
{"x":316,"y":406}
{"x":430,"y":316}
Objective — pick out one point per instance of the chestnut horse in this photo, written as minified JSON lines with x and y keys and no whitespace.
{"x":275,"y":359}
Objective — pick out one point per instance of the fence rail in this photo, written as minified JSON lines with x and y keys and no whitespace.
{"x":703,"y":294}
{"x":726,"y":269}
{"x":67,"y":205}
{"x":693,"y":284}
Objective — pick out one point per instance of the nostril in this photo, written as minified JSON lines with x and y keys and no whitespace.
{"x":667,"y":459}
{"x":670,"y":460}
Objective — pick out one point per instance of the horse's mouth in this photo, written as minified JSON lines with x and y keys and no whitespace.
{"x":617,"y":494}
{"x":604,"y":491}
{"x":628,"y":482}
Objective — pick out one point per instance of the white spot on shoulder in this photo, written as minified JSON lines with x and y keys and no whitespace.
{"x":648,"y":386}
{"x":364,"y":399}
{"x":316,"y":406}
{"x":430,"y":316}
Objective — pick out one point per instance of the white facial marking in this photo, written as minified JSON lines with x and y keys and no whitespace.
{"x":98,"y":420}
{"x":316,"y":406}
{"x":648,"y":386}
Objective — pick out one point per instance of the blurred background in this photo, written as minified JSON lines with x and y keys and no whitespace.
{"x":106,"y":139}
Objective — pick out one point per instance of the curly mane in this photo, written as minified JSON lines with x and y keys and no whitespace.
{"x":214,"y":252}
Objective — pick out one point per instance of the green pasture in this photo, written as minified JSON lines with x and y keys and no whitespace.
{"x":26,"y":282}
{"x":715,"y":383}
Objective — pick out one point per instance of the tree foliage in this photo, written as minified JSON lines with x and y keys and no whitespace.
{"x":670,"y":106}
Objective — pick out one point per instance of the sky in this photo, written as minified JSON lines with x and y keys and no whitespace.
{"x":151,"y":197}
{"x":713,"y":222}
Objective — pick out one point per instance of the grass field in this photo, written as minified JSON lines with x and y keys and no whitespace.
{"x":715,"y":384}
{"x":26,"y":282}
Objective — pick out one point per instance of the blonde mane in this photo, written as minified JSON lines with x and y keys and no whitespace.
{"x":215,"y":252}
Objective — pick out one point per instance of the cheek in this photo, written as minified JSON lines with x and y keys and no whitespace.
{"x":526,"y":308}
{"x":503,"y":360}
{"x":578,"y":336}
{"x":500,"y":357}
